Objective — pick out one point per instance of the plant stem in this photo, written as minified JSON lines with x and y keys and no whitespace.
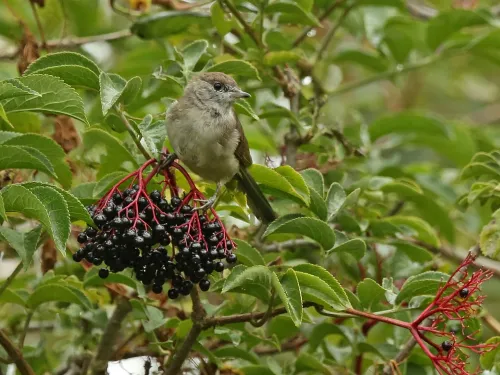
{"x":25,"y":329}
{"x":39,"y":25}
{"x":109,"y":337}
{"x":75,"y":41}
{"x":15,"y":354}
{"x":11,"y":278}
{"x":177,"y":359}
{"x":132,"y":133}
{"x":321,"y":18}
{"x":329,"y":36}
{"x":248,"y":29}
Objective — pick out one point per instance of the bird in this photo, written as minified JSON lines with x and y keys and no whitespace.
{"x":206,"y":135}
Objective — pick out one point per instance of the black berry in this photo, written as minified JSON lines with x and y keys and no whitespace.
{"x":157,"y":288}
{"x":82,"y":238}
{"x":231,"y":258}
{"x":219,"y":266}
{"x":447,"y":345}
{"x":173,"y":293}
{"x":103,"y":273}
{"x":204,"y":285}
{"x":464,"y":292}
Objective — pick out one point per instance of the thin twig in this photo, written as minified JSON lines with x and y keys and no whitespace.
{"x":242,"y":318}
{"x":405,"y":352}
{"x":132,"y":133}
{"x":248,"y":29}
{"x":25,"y":329}
{"x":11,"y":278}
{"x":109,"y":337}
{"x":321,"y":18}
{"x":491,"y":322}
{"x":329,"y":36}
{"x":39,"y":24}
{"x":289,"y":245}
{"x":198,"y":317}
{"x":15,"y":354}
{"x":78,"y":41}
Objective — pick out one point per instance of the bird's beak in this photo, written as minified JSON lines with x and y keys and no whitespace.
{"x":240,"y":94}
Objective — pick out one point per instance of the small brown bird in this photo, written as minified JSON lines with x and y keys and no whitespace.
{"x":207,"y":136}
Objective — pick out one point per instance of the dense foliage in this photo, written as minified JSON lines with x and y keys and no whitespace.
{"x":372,"y":126}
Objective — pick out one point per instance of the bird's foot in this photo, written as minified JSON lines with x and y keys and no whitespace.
{"x":207,"y":203}
{"x":169,"y":159}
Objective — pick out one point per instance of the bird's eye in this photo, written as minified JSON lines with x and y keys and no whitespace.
{"x":218,"y":86}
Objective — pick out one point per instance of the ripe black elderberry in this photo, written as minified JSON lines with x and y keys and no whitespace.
{"x":464,"y":292}
{"x":103,"y":273}
{"x":161,"y":240}
{"x":447,"y":345}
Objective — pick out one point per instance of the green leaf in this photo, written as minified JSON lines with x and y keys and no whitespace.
{"x":222,"y":25}
{"x":318,"y":205}
{"x":57,"y":293}
{"x":236,"y":67}
{"x":445,"y":24}
{"x":364,"y":59}
{"x":116,"y":157}
{"x":322,"y":330}
{"x":17,"y":198}
{"x":480,"y":170}
{"x":3,"y":116}
{"x":420,"y":228}
{"x":293,"y":12}
{"x":271,"y":178}
{"x":154,"y":134}
{"x":3,"y":215}
{"x":55,"y":97}
{"x":488,"y":359}
{"x":426,"y":283}
{"x":52,"y":151}
{"x":296,"y":180}
{"x":414,"y":252}
{"x":257,"y":370}
{"x":12,"y":88}
{"x":405,"y":123}
{"x":288,"y":290}
{"x":489,"y":240}
{"x":314,"y":179}
{"x":274,"y":58}
{"x":10,"y":296}
{"x":57,"y":210}
{"x":92,"y":279}
{"x":254,"y":281}
{"x":327,"y":277}
{"x":308,"y":362}
{"x":335,"y":200}
{"x":370,"y":293}
{"x":356,"y":247}
{"x":107,"y":182}
{"x":73,"y":68}
{"x":248,"y":255}
{"x":243,"y":107}
{"x":163,"y":24}
{"x":192,"y":53}
{"x":235,"y":352}
{"x":114,"y":89}
{"x":24,"y":157}
{"x":75,"y":208}
{"x":310,"y":227}
{"x":25,"y":243}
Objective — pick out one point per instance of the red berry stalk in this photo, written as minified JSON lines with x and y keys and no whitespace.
{"x":161,"y":238}
{"x":457,"y":301}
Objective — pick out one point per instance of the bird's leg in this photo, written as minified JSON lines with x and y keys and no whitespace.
{"x":209,"y":203}
{"x":165,"y":163}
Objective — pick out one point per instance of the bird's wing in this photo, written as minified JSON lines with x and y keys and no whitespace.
{"x":242,"y":151}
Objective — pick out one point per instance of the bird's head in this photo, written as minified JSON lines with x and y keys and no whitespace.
{"x":215,"y":89}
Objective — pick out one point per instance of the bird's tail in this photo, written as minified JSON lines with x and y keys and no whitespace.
{"x":257,"y":201}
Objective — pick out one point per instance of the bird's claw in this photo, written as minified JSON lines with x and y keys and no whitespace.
{"x":209,"y":203}
{"x":169,"y":159}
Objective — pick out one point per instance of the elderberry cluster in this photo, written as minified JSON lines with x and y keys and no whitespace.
{"x":160,"y":240}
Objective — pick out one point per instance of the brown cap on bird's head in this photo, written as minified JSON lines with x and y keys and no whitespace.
{"x":212,"y":77}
